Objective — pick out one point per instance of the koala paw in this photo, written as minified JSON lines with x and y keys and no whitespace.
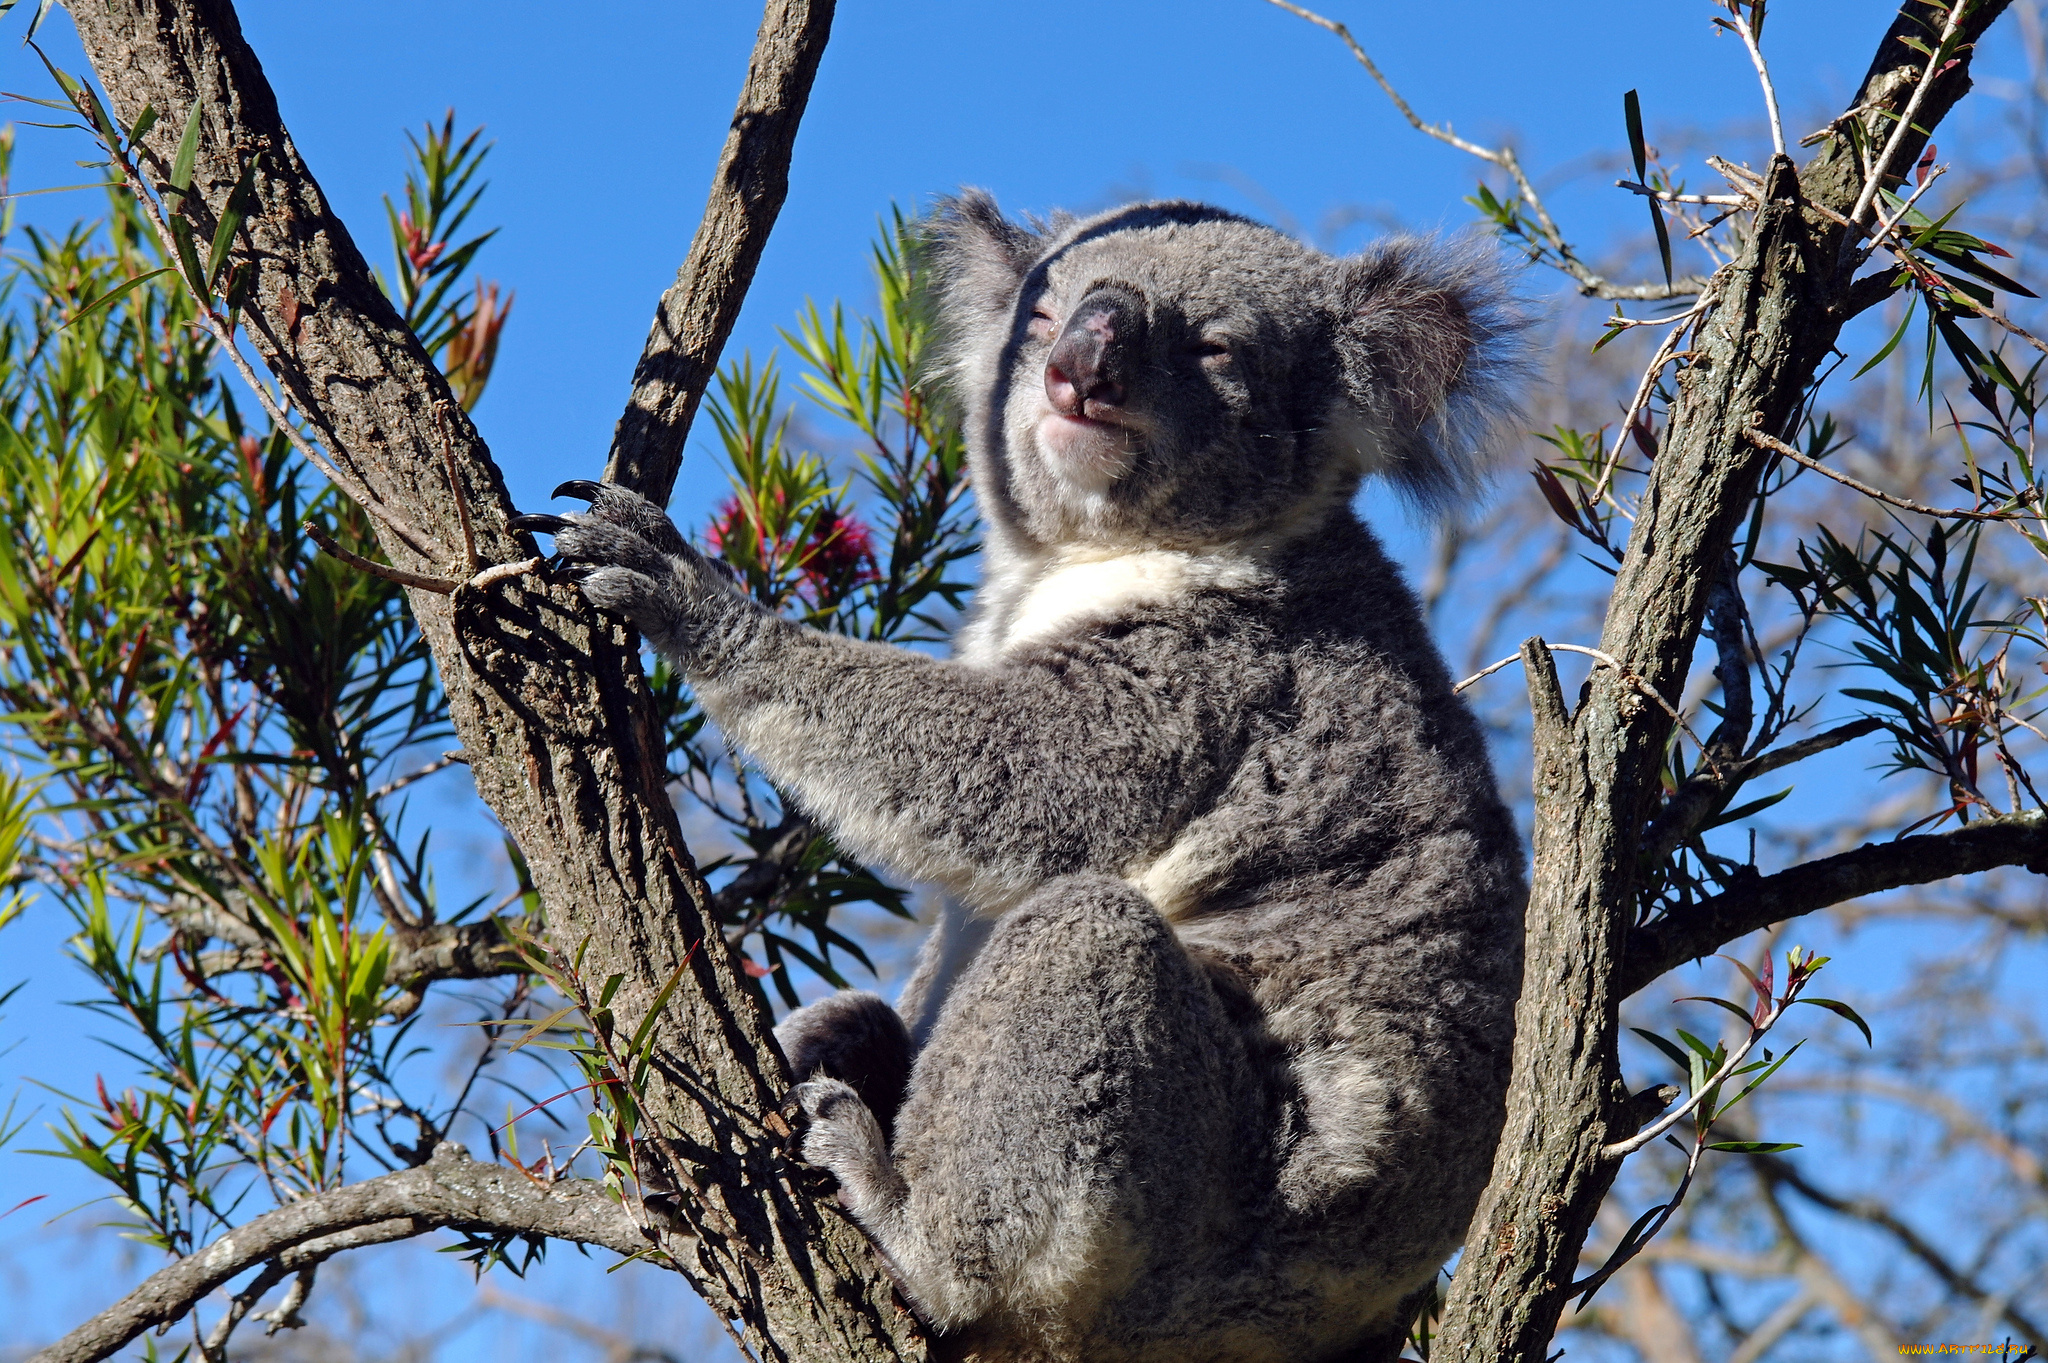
{"x":640,"y":566}
{"x":845,"y":1139}
{"x":855,"y":1037}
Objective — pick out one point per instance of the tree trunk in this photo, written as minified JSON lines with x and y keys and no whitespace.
{"x":1776,"y":311}
{"x":548,"y":700}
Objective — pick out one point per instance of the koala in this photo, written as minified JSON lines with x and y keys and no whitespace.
{"x":1207,"y":1058}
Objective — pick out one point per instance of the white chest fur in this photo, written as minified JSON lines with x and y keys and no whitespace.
{"x":1030,"y":604}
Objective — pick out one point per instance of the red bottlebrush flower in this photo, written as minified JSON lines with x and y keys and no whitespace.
{"x":843,"y":547}
{"x":727,"y":522}
{"x":418,"y":249}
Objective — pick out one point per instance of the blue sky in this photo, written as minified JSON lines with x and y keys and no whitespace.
{"x":608,"y":119}
{"x":607,"y":127}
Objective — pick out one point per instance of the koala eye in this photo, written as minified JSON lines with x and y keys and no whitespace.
{"x":1209,"y":349}
{"x":1043,"y":325}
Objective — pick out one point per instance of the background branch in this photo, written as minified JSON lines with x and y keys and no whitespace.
{"x":2011,"y":840}
{"x":448,"y":1190}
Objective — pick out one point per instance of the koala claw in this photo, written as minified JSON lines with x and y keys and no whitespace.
{"x":539,"y":523}
{"x":580,"y":488}
{"x":845,"y":1139}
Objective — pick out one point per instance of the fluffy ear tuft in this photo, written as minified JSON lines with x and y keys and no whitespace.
{"x":1436,"y":350}
{"x":969,"y":260}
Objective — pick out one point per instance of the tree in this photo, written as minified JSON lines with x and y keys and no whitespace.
{"x":560,"y":730}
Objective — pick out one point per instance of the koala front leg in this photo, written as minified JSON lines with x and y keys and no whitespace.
{"x":683,"y":604}
{"x":857,"y":1039}
{"x":912,"y":761}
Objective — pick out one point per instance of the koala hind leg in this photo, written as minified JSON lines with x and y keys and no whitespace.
{"x":854,"y":1037}
{"x":1083,"y":1138}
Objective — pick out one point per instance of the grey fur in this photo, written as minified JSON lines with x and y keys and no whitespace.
{"x":1220,"y":1074}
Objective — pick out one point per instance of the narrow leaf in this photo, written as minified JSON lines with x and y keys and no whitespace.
{"x":188,"y":150}
{"x":230,"y":220}
{"x":1632,"y":110}
{"x":111,"y":294}
{"x":1840,"y":1009}
{"x":1677,"y":1056}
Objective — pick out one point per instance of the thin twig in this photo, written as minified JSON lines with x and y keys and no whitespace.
{"x":1882,"y":166}
{"x":1664,"y":355}
{"x":393,"y":786}
{"x":1779,"y":447}
{"x":1609,"y":661}
{"x":501,"y":572}
{"x":1503,"y":157}
{"x":440,"y":585}
{"x":1758,"y":1029}
{"x":1666,"y":196}
{"x":1763,"y":74}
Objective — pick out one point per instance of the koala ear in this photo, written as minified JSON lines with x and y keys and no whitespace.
{"x":973,"y":257}
{"x":1435,"y":349}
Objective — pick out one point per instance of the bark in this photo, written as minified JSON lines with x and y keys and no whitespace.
{"x":549,"y":702}
{"x":450,"y":1190}
{"x":1776,"y":312}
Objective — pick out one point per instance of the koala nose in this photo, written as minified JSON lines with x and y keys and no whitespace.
{"x":1090,"y":362}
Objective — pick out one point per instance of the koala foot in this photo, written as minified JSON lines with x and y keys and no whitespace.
{"x":854,"y":1036}
{"x":641,"y":567}
{"x":845,"y":1139}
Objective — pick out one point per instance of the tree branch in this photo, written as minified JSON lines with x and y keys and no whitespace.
{"x":2010,"y":840}
{"x":697,"y":312}
{"x":1774,"y":319}
{"x":450,"y":1190}
{"x":546,"y":697}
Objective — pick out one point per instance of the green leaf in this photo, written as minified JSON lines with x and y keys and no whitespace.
{"x":1891,"y":345}
{"x":1677,"y":1056}
{"x":1753,"y":1147}
{"x":1739,"y":1011}
{"x":1751,"y":1087}
{"x":42,"y":13}
{"x":1632,"y":111}
{"x":188,"y":257}
{"x":1729,"y":816}
{"x":230,"y":220}
{"x":144,"y":121}
{"x":646,"y":1026}
{"x":110,"y":295}
{"x":1843,"y":1010}
{"x":188,"y":151}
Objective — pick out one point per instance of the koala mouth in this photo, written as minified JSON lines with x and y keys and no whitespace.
{"x":1089,"y":450}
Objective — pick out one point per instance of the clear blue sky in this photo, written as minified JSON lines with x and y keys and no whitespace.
{"x":608,"y":118}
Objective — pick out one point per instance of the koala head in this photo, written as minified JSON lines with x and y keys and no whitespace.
{"x":1171,"y":374}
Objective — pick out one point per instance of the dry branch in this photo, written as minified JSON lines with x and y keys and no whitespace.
{"x":450,"y":1190}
